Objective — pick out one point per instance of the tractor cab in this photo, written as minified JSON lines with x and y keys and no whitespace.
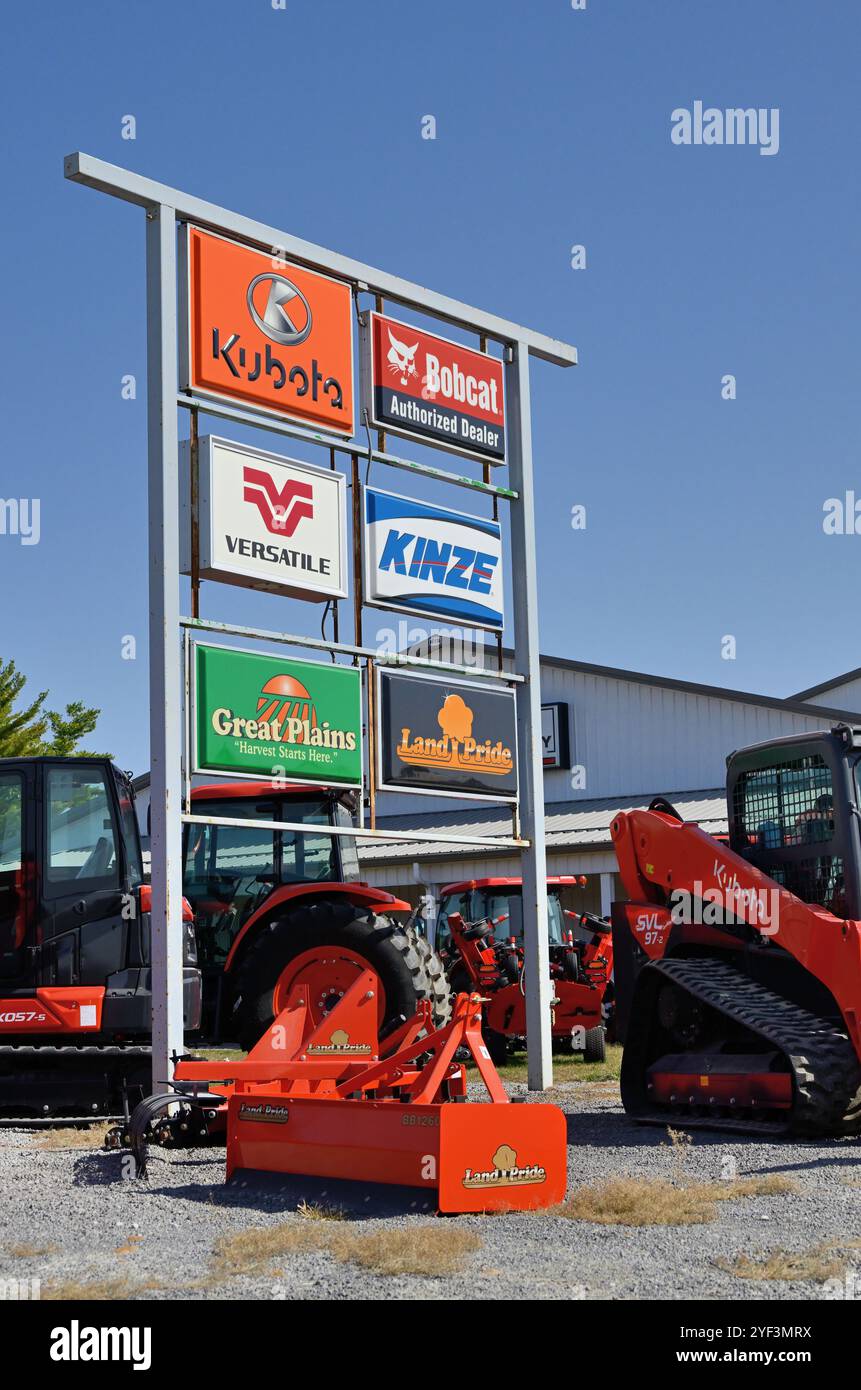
{"x":500,"y":902}
{"x":229,"y":871}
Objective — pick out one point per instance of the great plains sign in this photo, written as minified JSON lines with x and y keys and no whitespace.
{"x":428,"y":388}
{"x":265,"y":333}
{"x":273,"y":716}
{"x":420,"y":558}
{"x":267,"y":522}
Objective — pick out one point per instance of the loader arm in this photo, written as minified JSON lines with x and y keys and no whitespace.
{"x":661,"y":857}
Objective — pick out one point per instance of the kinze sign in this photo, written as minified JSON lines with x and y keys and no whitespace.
{"x":454,"y":738}
{"x":426,"y":559}
{"x":266,"y":333}
{"x":433,"y":390}
{"x":269,"y":716}
{"x":267,"y":522}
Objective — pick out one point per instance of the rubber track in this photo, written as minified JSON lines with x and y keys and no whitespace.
{"x":825,"y":1069}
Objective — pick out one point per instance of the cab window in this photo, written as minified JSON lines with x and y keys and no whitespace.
{"x":80,"y":831}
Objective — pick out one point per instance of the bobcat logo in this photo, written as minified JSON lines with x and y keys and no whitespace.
{"x":402,"y":359}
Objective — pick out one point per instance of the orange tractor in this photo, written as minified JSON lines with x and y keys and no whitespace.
{"x":479,"y":935}
{"x":738,"y":966}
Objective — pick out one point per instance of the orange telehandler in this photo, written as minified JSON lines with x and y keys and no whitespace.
{"x":738,"y":966}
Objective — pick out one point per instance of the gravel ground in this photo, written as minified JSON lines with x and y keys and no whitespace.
{"x":156,"y":1239}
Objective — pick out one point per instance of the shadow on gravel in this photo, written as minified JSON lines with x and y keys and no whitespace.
{"x":96,"y":1170}
{"x":281,"y":1192}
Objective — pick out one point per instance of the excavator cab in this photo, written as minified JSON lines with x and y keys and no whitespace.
{"x":75,"y":987}
{"x":792,"y":807}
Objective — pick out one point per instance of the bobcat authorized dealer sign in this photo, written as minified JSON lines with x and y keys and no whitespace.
{"x":265,"y":333}
{"x":266,"y":522}
{"x":421,"y":558}
{"x":451,"y":738}
{"x":267,"y":716}
{"x":431,"y":389}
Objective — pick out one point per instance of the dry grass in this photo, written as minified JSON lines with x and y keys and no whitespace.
{"x":255,"y":1249}
{"x":428,"y":1250}
{"x":319,"y":1211}
{"x":104,"y":1289}
{"x":788,"y":1266}
{"x":29,"y":1252}
{"x":658,"y":1202}
{"x":92,"y":1137}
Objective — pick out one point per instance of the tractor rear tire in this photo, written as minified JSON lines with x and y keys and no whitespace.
{"x":595,"y":1047}
{"x":497,"y":1046}
{"x":409,"y":971}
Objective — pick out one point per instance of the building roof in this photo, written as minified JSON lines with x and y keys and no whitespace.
{"x":836,"y":681}
{"x":568,"y":826}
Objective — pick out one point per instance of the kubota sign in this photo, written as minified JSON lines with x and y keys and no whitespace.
{"x":267,"y":333}
{"x":429,"y":388}
{"x":267,"y":522}
{"x":272,"y":716}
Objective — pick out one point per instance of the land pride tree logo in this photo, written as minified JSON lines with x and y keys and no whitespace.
{"x":505,"y":1172}
{"x":453,"y":737}
{"x":265,"y":716}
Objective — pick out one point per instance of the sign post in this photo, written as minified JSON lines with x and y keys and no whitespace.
{"x":165,"y":694}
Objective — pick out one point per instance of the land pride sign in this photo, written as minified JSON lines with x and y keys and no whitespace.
{"x":431,"y":389}
{"x":268,"y":716}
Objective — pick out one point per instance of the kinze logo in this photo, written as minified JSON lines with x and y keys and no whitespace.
{"x":423,"y":558}
{"x":505,"y":1172}
{"x":281,"y":509}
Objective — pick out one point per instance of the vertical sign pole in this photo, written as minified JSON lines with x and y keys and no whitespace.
{"x":164,"y":657}
{"x":529,"y":754}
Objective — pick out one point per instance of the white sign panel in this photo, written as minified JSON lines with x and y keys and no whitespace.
{"x":267,"y":522}
{"x":430,"y":560}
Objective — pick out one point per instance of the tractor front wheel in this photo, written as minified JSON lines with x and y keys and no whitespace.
{"x":324,"y":946}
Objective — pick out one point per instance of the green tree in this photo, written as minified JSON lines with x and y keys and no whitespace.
{"x":32,"y":730}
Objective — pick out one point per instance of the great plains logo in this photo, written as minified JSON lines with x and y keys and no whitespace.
{"x":505,"y":1172}
{"x":286,"y":713}
{"x":281,"y":508}
{"x":457,"y":749}
{"x":77,"y":1343}
{"x":339,"y":1045}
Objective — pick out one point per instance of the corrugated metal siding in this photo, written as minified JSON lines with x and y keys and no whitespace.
{"x":846,"y":696}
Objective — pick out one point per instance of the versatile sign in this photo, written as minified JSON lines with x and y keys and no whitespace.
{"x":266,"y":522}
{"x":555,"y":742}
{"x":270,"y":716}
{"x":429,"y":388}
{"x":267,"y":333}
{"x":425,"y":559}
{"x":452,"y":738}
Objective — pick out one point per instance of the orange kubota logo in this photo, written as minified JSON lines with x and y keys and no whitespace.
{"x":274,"y":335}
{"x":458,"y":748}
{"x":281,"y":508}
{"x":505,"y":1172}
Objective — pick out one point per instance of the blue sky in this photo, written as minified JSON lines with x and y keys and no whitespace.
{"x":553,"y":128}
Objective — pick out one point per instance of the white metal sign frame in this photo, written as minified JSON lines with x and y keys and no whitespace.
{"x":165,"y":207}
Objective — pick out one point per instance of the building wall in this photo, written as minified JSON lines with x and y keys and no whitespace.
{"x":633,"y":739}
{"x":845,"y":696}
